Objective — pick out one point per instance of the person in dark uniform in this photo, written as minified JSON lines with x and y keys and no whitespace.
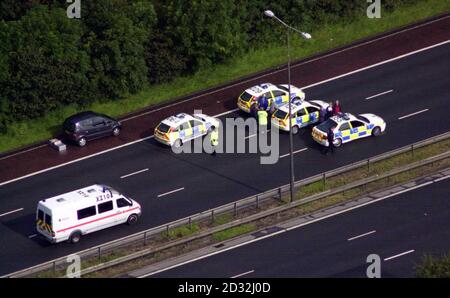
{"x":330,"y":138}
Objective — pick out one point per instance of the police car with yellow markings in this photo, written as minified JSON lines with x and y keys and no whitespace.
{"x":181,"y":128}
{"x":347,"y":127}
{"x":303,"y":113}
{"x":275,"y":94}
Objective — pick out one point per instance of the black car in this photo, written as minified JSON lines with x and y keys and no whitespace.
{"x":89,"y":125}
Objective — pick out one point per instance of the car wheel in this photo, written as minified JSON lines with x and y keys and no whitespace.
{"x":75,"y":237}
{"x":132,"y":219}
{"x":337,"y":142}
{"x":178,"y":143}
{"x":116,"y":131}
{"x":82,"y":142}
{"x":294,"y":130}
{"x":376,"y":131}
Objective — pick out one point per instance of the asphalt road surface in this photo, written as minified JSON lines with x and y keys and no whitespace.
{"x":400,"y":230}
{"x":415,"y":109}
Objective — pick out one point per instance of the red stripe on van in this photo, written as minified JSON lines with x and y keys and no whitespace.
{"x":76,"y":226}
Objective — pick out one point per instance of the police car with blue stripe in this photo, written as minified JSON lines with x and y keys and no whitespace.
{"x":303,"y":112}
{"x":274,"y":94}
{"x":347,"y":127}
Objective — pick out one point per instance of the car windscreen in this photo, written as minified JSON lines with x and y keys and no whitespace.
{"x":325,"y":126}
{"x":280,"y":114}
{"x":362,"y":118}
{"x":163,"y":128}
{"x":283,"y":88}
{"x":246,"y":96}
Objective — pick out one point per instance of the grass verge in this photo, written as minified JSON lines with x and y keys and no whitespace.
{"x":328,"y":37}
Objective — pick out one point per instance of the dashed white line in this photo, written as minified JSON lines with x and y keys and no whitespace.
{"x":134,"y":173}
{"x":242,"y":274}
{"x":251,"y":136}
{"x":360,"y":236}
{"x":170,"y":192}
{"x":379,"y":94}
{"x":298,"y":151}
{"x":6,"y":213}
{"x":412,"y":114}
{"x":399,"y":255}
{"x":32,"y":236}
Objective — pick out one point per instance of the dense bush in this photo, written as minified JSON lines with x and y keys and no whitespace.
{"x":48,"y":60}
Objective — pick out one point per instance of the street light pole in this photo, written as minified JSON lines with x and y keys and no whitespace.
{"x":270,"y":14}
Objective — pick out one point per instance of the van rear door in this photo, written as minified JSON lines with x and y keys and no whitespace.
{"x":44,"y":222}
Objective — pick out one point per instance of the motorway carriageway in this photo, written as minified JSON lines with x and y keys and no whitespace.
{"x":400,"y":230}
{"x":411,"y":94}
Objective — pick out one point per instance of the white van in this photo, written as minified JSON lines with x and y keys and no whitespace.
{"x":83,"y":211}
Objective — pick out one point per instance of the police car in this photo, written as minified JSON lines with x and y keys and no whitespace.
{"x":347,"y":127}
{"x":178,"y":129}
{"x":304,"y":113}
{"x":276,"y":94}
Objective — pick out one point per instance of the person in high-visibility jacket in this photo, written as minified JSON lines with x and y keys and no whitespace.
{"x":214,"y":140}
{"x":262,"y":120}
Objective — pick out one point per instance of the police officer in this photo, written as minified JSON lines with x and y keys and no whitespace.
{"x":322,"y":114}
{"x":214,"y":140}
{"x":262,"y":120}
{"x":329,"y":110}
{"x":330,"y":138}
{"x":336,"y":108}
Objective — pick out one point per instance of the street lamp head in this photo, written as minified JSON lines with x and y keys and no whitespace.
{"x":269,"y":13}
{"x":306,"y":35}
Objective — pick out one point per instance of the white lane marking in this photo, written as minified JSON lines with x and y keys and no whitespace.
{"x":32,"y":236}
{"x":282,"y":231}
{"x":229,"y":112}
{"x":379,"y":94}
{"x":295,"y":152}
{"x":242,"y":274}
{"x":170,"y":192}
{"x":17,"y":210}
{"x":360,"y":236}
{"x":25,"y":151}
{"x":400,"y":254}
{"x":251,"y":136}
{"x":412,"y":114}
{"x":442,"y":178}
{"x":134,"y":173}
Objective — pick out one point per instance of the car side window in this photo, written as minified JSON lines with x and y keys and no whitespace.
{"x":312,"y":110}
{"x":194,"y":123}
{"x":301,"y":112}
{"x":344,"y":126}
{"x":185,"y":125}
{"x":356,"y":124}
{"x":98,"y":121}
{"x":277,"y":93}
{"x":267,"y":95}
{"x":86,"y":123}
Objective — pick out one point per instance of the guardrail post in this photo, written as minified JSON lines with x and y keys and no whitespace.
{"x":412,"y":149}
{"x":99,"y":252}
{"x":368,"y":166}
{"x":257,"y":202}
{"x":145,"y":238}
{"x":324,"y":181}
{"x":279,"y":193}
{"x":212,"y":215}
{"x":167,"y":231}
{"x":54,"y":267}
{"x":235,"y":209}
{"x":190,"y":223}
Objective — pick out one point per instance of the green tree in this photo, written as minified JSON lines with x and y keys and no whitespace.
{"x":115,"y":35}
{"x":47,"y":67}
